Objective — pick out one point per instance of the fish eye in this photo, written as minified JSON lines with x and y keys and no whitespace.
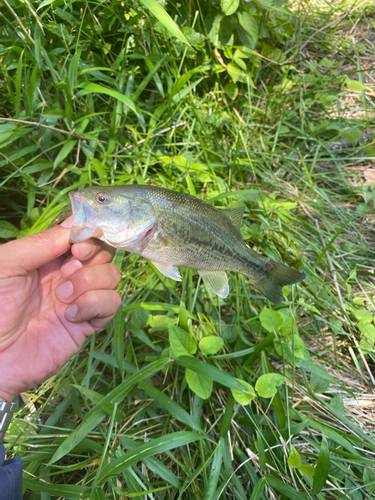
{"x":102,"y":198}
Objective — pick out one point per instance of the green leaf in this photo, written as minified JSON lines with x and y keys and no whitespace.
{"x":231,"y":90}
{"x":307,"y":470}
{"x":363,"y":315}
{"x":157,"y":306}
{"x":159,"y":445}
{"x":200,"y":385}
{"x":7,"y":230}
{"x":271,"y":320}
{"x":235,"y":72}
{"x":211,"y":345}
{"x":319,"y":384}
{"x":164,"y":18}
{"x":302,"y":303}
{"x":287,"y":326}
{"x":294,"y":459}
{"x":266,"y":385}
{"x":249,"y":24}
{"x":211,"y":372}
{"x":337,"y":403}
{"x":229,"y":7}
{"x":244,"y":398}
{"x":94,"y":88}
{"x":352,"y":134}
{"x":367,"y":330}
{"x":355,"y":85}
{"x":181,"y":342}
{"x":299,"y":346}
{"x":322,"y":468}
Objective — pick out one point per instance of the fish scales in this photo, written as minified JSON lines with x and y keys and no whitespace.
{"x":176,"y":229}
{"x":207,"y":232}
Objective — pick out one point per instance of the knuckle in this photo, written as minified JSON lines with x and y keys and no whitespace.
{"x":86,"y":278}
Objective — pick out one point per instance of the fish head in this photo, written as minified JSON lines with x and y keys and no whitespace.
{"x":110,"y":214}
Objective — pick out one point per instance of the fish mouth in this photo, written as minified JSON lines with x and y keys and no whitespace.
{"x":83,"y":224}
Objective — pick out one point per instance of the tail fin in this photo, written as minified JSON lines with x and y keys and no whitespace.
{"x":279,"y":276}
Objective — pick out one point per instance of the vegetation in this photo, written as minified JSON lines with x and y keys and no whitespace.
{"x":266,"y":104}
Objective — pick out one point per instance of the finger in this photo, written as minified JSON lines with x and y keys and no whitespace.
{"x":89,"y":248}
{"x":31,"y":252}
{"x":67,"y":222}
{"x":70,"y":264}
{"x":94,"y":305}
{"x":100,"y":277}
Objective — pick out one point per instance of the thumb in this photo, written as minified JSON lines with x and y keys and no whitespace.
{"x":27,"y":254}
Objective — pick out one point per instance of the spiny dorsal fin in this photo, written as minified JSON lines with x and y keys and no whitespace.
{"x":235,"y":215}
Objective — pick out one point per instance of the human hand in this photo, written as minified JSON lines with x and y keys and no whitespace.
{"x":50,"y":302}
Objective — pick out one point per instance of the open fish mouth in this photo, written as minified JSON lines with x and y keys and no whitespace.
{"x":83,"y":224}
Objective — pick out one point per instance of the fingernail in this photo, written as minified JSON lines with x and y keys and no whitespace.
{"x":65,"y":290}
{"x":71,"y":312}
{"x":67,"y":222}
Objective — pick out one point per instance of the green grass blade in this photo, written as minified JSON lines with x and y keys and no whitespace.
{"x":258,"y":490}
{"x":162,"y":16}
{"x":322,"y":468}
{"x":96,"y":415}
{"x":215,"y":471}
{"x":68,"y":491}
{"x":211,"y":372}
{"x":94,"y":88}
{"x":284,"y":488}
{"x":160,"y":445}
{"x":168,"y":404}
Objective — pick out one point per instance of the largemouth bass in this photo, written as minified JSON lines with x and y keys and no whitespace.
{"x":176,"y":229}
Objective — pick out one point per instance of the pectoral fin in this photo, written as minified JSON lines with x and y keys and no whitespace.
{"x":217,"y":281}
{"x":168,"y":270}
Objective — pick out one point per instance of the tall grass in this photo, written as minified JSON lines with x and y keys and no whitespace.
{"x":269,"y":106}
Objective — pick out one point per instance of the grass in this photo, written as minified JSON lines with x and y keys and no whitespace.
{"x":277,"y":118}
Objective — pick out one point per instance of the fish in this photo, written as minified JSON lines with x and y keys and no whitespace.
{"x":171,"y":229}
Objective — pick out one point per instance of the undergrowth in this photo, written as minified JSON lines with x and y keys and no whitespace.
{"x":266,"y":104}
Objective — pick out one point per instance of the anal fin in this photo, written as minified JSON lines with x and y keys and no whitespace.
{"x":168,"y":270}
{"x":217,"y":281}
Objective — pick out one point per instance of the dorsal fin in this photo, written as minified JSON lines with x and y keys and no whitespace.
{"x":235,"y":215}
